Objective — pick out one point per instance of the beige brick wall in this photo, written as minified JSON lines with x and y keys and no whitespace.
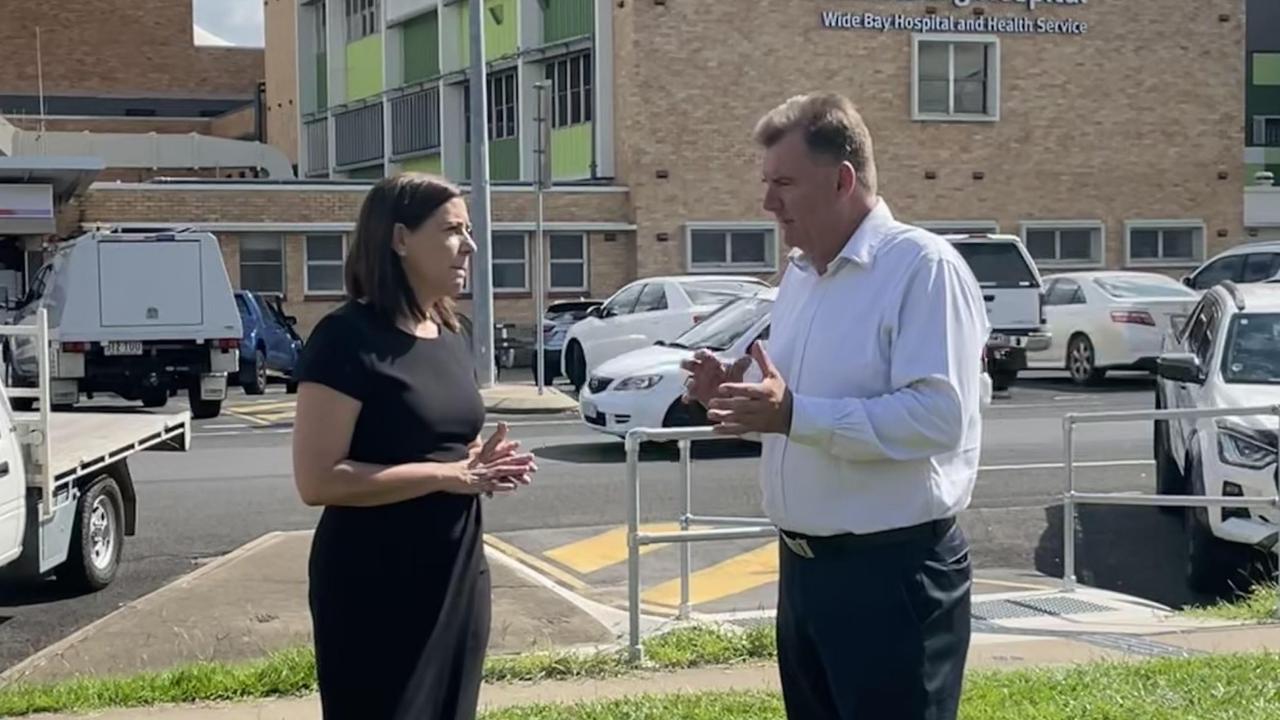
{"x":1133,"y":120}
{"x":281,"y":62}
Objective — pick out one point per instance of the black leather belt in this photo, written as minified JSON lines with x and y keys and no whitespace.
{"x":809,"y":546}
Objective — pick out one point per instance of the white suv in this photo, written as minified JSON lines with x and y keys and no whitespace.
{"x":1226,"y":355}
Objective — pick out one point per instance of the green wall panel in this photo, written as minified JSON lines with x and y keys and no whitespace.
{"x":366,"y":173}
{"x":571,"y":151}
{"x":322,"y":82}
{"x":500,"y":39}
{"x":426,"y":163}
{"x":421,"y":43}
{"x":364,"y":67}
{"x":1266,"y":68}
{"x":504,"y":159}
{"x":564,"y":19}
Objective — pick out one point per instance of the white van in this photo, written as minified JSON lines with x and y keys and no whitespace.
{"x":143,"y":316}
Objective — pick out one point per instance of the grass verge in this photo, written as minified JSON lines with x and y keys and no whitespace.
{"x":292,"y":673}
{"x":1259,"y":605}
{"x":1234,"y":687}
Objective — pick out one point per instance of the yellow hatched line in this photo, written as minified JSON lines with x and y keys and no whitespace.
{"x":607,"y":548}
{"x":244,"y":416}
{"x":536,"y":563}
{"x":252,"y":407}
{"x":737,"y":574}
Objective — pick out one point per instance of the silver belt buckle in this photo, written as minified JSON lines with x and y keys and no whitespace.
{"x":799,"y":546}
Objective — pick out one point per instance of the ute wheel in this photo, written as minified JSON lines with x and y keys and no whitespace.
{"x":255,"y":380}
{"x":1169,"y":479}
{"x":203,"y":409}
{"x":155,"y":397}
{"x":1213,"y":565}
{"x":97,"y":538}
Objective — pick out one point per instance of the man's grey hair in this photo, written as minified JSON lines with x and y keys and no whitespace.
{"x":831,"y":126}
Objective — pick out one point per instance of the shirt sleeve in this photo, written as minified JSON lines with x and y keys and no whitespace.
{"x":331,"y":357}
{"x":935,"y":370}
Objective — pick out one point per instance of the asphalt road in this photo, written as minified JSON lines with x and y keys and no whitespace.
{"x":235,"y":485}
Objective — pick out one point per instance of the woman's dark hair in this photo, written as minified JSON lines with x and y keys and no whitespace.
{"x":374,"y":272}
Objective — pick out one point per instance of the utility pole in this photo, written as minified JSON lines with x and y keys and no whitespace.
{"x":482,"y":268}
{"x":543,"y":151}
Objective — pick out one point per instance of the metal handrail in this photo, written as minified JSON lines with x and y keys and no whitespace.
{"x":751,"y":527}
{"x":1071,"y":498}
{"x":35,"y":433}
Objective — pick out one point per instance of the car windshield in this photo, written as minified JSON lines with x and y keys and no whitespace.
{"x":715,"y":292}
{"x":723,"y":327}
{"x":1126,"y":288}
{"x":1252,"y":353}
{"x":997,"y":264}
{"x":244,"y":306}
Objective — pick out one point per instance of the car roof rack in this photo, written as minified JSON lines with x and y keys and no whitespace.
{"x":1236,"y":296}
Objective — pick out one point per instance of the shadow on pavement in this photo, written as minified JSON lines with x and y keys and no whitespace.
{"x":26,"y":592}
{"x":1113,"y":383}
{"x":1138,"y":551}
{"x":614,"y":453}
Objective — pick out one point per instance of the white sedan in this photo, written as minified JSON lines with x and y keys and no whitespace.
{"x":642,"y":388}
{"x":644,"y":312}
{"x":1109,"y":319}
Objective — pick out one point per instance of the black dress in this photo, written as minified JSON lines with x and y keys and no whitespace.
{"x":399,"y":593}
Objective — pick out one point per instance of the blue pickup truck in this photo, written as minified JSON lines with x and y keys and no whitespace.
{"x":270,"y":347}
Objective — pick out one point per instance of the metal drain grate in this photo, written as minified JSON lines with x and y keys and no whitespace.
{"x":1034,"y":607}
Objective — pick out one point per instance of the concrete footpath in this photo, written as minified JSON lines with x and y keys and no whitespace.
{"x":524,"y":399}
{"x":253,"y":601}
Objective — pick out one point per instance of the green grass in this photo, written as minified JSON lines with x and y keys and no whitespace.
{"x":1258,"y":605}
{"x":1224,"y":687}
{"x":292,"y":673}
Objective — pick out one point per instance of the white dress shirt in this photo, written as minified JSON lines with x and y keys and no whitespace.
{"x":882,"y":354}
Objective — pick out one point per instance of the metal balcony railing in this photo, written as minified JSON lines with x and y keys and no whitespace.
{"x":358,"y":135}
{"x":415,"y":122}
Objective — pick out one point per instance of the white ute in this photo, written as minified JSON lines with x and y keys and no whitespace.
{"x":67,"y":499}
{"x":142,"y":316}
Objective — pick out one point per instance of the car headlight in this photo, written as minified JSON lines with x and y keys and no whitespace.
{"x":1243,"y":447}
{"x":639,"y":382}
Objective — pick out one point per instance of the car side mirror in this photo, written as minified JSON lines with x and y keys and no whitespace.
{"x":1180,"y":367}
{"x":1186,"y":280}
{"x":290,"y":320}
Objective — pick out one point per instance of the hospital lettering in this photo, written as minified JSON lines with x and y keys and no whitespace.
{"x":1009,"y":25}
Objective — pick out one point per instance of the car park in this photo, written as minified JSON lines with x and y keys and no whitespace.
{"x":1226,"y":355}
{"x":1109,"y":320}
{"x":643,"y":312}
{"x":558,"y":318}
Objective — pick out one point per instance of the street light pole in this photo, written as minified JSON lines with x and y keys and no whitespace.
{"x":543,"y":151}
{"x":482,"y":268}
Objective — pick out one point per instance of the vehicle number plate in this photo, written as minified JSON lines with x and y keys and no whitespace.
{"x":588,"y":409}
{"x":120,"y":347}
{"x":998,"y":339}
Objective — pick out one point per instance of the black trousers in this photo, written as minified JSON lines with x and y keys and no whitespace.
{"x":877,"y":630}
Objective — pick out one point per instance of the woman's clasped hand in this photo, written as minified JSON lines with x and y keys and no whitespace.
{"x":496,"y":467}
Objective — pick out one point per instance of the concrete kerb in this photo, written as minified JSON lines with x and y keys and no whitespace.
{"x":18,"y":671}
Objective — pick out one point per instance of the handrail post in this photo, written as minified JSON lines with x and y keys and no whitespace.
{"x":686,"y":549}
{"x":1276,"y":409}
{"x":1068,"y":505}
{"x":633,"y":549}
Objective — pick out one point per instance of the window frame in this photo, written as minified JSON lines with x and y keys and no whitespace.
{"x":1199,"y":244}
{"x":580,"y":97}
{"x":583,"y":261}
{"x":307,"y":262}
{"x":1259,"y":133}
{"x":283,"y":264}
{"x":993,"y":78}
{"x":524,"y":262}
{"x":362,"y":18}
{"x":772,"y":235}
{"x":1099,"y":242}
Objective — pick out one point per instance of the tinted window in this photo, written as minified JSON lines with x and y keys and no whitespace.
{"x":653,"y":298}
{"x":624,"y":301}
{"x":997,"y":264}
{"x":1252,"y":351}
{"x":1260,"y":266}
{"x":243,"y":305}
{"x":1139,"y":287}
{"x":1228,"y":268}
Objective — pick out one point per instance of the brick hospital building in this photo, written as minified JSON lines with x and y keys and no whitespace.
{"x":1106,"y":133}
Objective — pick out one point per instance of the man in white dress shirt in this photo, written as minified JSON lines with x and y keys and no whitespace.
{"x":868,"y":409}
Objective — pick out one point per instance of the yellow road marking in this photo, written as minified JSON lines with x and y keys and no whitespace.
{"x":538,"y":564}
{"x":244,"y":416}
{"x":737,"y":574}
{"x":264,"y":406}
{"x":601,"y":551}
{"x":1006,"y":583}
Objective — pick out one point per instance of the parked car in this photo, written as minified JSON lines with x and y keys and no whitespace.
{"x":1013,"y":291}
{"x":642,"y":388}
{"x":1226,"y":355}
{"x":1109,"y":320}
{"x":270,"y":346}
{"x":1245,"y":263}
{"x":143,"y":316}
{"x":558,"y":318}
{"x":644,"y":312}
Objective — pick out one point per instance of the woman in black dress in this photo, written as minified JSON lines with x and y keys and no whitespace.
{"x":388,"y":440}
